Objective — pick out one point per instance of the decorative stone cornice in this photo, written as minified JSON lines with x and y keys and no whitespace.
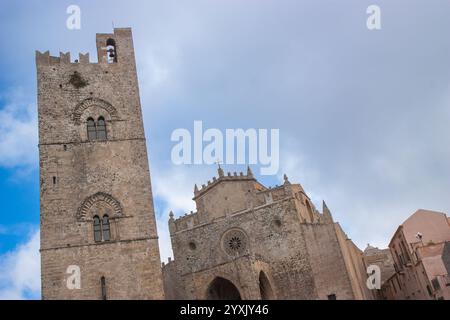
{"x":79,"y":109}
{"x":99,"y":196}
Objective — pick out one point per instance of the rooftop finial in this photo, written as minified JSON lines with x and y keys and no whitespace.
{"x":249,"y":172}
{"x":326,"y":212}
{"x":219,"y":169}
{"x":286,"y":180}
{"x":171,"y":215}
{"x":195,"y":188}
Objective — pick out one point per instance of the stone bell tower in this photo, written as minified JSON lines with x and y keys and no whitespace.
{"x":98,"y":230}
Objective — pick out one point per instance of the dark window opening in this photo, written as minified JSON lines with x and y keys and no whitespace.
{"x":97,"y":229}
{"x":101,"y":129}
{"x":91,"y":129}
{"x":96,"y":130}
{"x":54,"y":180}
{"x":105,"y":228}
{"x":331,"y":296}
{"x":277,"y":223}
{"x":102,"y":229}
{"x":435,"y":283}
{"x":103,"y":285}
{"x":111,"y":51}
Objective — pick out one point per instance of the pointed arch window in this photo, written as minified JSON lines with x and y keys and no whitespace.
{"x":91,"y":129}
{"x":96,"y":130}
{"x":101,"y":129}
{"x":97,"y":229}
{"x":106,"y":228}
{"x":102,"y":228}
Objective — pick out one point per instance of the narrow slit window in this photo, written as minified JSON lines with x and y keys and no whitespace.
{"x":103,"y":285}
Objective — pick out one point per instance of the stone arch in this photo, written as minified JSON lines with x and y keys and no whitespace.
{"x":265,"y":288}
{"x":222,"y":289}
{"x":99,"y":196}
{"x":82,"y":106}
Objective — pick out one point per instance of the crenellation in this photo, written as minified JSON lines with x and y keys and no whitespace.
{"x":186,"y":221}
{"x":83,"y":58}
{"x":45,"y":59}
{"x":64,"y":57}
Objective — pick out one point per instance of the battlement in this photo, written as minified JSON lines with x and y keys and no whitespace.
{"x":222,"y":177}
{"x":246,"y":196}
{"x":64,"y":58}
{"x":111,"y":48}
{"x":186,"y":217}
{"x":187,"y":221}
{"x":169,"y":263}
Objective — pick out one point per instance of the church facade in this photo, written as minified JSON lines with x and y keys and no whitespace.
{"x":247,"y":241}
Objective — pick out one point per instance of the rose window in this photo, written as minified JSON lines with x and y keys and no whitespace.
{"x":234,"y":242}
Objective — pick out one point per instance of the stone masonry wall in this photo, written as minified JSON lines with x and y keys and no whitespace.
{"x":80,"y":178}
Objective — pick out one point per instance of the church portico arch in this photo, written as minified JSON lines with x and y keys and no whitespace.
{"x":265,"y":288}
{"x":222,"y":289}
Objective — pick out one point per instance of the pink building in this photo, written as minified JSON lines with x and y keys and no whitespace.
{"x":421,"y":251}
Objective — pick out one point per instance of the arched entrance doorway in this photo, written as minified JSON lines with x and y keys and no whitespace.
{"x":265,"y":288}
{"x":222,"y":289}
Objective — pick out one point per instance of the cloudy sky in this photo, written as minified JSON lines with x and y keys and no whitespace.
{"x":363,"y":115}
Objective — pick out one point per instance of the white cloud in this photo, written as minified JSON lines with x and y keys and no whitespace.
{"x":173,"y":189}
{"x":175,"y":186}
{"x":18,"y":131}
{"x":20,"y":271}
{"x":296,"y":167}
